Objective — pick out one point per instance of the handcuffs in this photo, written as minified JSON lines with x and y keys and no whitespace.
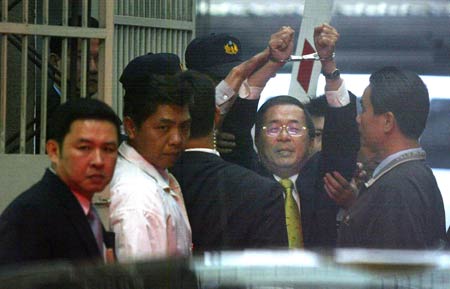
{"x":307,"y":57}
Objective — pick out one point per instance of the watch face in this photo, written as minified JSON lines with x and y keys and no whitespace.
{"x":334,"y":75}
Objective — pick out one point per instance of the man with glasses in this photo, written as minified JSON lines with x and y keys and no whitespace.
{"x":284,"y":135}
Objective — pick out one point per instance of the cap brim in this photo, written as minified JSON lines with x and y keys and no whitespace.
{"x":221,"y":70}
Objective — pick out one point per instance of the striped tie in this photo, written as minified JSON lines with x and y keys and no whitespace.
{"x":96,"y":226}
{"x":293,"y":220}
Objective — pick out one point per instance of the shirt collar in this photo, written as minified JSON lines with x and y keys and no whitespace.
{"x":130,"y":154}
{"x":204,"y":150}
{"x":392,"y":157}
{"x":84,"y":202}
{"x":293,"y":179}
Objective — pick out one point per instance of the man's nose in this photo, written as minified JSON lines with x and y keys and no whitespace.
{"x":284,"y":135}
{"x":176,"y":137}
{"x":93,"y":65}
{"x":97,"y":158}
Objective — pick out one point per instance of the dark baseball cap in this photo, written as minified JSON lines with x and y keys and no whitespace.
{"x":214,"y":54}
{"x":138,"y":72}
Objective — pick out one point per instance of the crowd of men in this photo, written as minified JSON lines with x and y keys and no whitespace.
{"x":190,"y":176}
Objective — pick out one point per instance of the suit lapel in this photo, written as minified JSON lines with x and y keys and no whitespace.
{"x":72,"y":209}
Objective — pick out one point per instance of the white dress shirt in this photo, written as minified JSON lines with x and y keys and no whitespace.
{"x":225,"y":95}
{"x":295,"y":194}
{"x":148,"y":218}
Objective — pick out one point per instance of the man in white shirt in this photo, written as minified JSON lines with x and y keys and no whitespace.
{"x":147,"y":210}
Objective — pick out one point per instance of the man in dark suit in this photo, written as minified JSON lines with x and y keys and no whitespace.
{"x":229,"y":207}
{"x":284,"y":136}
{"x":55,"y":219}
{"x":400,"y":206}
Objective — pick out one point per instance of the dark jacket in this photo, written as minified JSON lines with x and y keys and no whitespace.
{"x":229,"y":207}
{"x":403,"y":209}
{"x":340,"y":145}
{"x":46,"y":222}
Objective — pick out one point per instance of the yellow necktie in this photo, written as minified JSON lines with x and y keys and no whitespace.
{"x":293,"y":221}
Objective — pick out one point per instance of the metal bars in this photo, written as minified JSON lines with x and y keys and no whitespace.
{"x":31,"y":104}
{"x":150,"y":26}
{"x":3,"y":80}
{"x":128,"y":28}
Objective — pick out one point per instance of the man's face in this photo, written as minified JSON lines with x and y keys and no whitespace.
{"x":92,"y":77}
{"x":85,"y":162}
{"x":283,"y":154}
{"x":92,"y":65}
{"x":162,"y":136}
{"x":370,"y":124}
{"x":318,"y":125}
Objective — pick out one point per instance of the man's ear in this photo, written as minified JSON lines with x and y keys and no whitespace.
{"x":390,"y":121}
{"x":53,"y":150}
{"x":130,"y":127}
{"x":217,"y":118}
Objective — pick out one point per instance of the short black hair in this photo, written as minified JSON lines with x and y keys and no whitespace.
{"x":282,"y":100}
{"x":405,"y":95}
{"x":79,"y":109}
{"x":202,"y":108}
{"x":139,"y":104}
{"x":317,"y":106}
{"x":56,"y":42}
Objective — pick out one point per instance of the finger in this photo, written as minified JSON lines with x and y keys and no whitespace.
{"x":224,"y":150}
{"x":318,"y":30}
{"x":332,"y":188}
{"x":333,"y":183}
{"x":341,"y":180}
{"x":329,"y":192}
{"x":362,"y":175}
{"x":226,"y":136}
{"x":225,"y":144}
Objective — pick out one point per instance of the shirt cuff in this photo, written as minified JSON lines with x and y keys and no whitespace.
{"x":338,"y":98}
{"x":224,"y":97}
{"x":249,"y":92}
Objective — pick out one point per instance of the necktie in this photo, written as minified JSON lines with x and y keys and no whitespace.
{"x":96,"y":227}
{"x":293,"y":221}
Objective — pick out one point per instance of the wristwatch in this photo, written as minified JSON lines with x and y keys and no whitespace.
{"x":333,"y":75}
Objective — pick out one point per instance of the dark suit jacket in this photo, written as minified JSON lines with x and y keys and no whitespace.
{"x":229,"y":207}
{"x":401,"y":210}
{"x":46,"y":222}
{"x":239,"y":122}
{"x":318,"y":211}
{"x":340,"y":145}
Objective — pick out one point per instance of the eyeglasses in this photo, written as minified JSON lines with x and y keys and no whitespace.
{"x":275,"y":130}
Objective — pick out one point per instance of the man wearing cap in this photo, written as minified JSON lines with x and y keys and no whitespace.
{"x":147,"y":210}
{"x":219,"y":56}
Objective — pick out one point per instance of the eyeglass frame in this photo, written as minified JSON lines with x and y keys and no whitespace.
{"x":302,"y":129}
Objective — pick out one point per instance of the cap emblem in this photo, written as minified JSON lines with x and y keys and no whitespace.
{"x":231,"y":48}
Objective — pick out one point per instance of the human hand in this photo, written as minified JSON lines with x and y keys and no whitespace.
{"x":344,"y":193}
{"x":325,"y":38}
{"x":361,"y":175}
{"x":225,"y":142}
{"x":281,"y":43}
